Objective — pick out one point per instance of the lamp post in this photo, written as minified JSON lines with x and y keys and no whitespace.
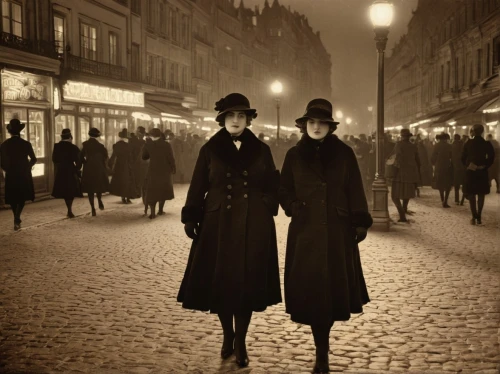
{"x":381,"y":13}
{"x":277,"y":89}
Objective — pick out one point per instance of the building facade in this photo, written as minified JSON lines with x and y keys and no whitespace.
{"x":443,"y":74}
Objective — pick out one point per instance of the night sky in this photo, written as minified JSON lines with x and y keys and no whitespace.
{"x":347,"y":34}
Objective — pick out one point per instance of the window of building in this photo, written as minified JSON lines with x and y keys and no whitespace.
{"x":151,"y":14}
{"x":113,"y":48}
{"x":174,"y":33}
{"x":496,"y":53}
{"x":479,"y":63}
{"x":487,"y":58}
{"x":164,"y":17}
{"x":136,"y":62}
{"x":448,"y":74}
{"x":59,"y":33}
{"x":441,"y":81}
{"x":455,"y":75}
{"x":88,"y":41}
{"x":185,"y":31}
{"x":12,"y":18}
{"x":136,"y":6}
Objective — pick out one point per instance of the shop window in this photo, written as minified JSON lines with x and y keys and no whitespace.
{"x":88,"y":41}
{"x":12,"y":18}
{"x":59,"y":33}
{"x":64,"y":121}
{"x":113,"y":48}
{"x":84,"y":125}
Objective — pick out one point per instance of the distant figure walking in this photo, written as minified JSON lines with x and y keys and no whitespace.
{"x":443,"y":168}
{"x":14,"y":154}
{"x":95,"y":176}
{"x":121,"y":165}
{"x":458,"y":168}
{"x":159,"y":185}
{"x":478,"y":155}
{"x":68,"y":165}
{"x":494,"y":170}
{"x":407,"y":176}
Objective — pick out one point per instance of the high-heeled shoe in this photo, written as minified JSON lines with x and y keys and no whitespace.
{"x":101,"y":205}
{"x":240,"y":351}
{"x":322,"y":365}
{"x":93,"y":212}
{"x":70,"y":215}
{"x":227,"y":347}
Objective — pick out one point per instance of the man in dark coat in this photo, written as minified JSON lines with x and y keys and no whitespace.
{"x":441,"y":159}
{"x":136,"y":143}
{"x":494,"y":170}
{"x":67,"y":162}
{"x":121,"y":165}
{"x":321,"y":189}
{"x":94,"y":176}
{"x":159,"y":187}
{"x":232,"y":268}
{"x":14,"y":154}
{"x":477,"y":156}
{"x":458,"y":168}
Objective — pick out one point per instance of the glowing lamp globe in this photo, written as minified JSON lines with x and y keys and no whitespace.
{"x":277,"y":87}
{"x":381,"y":14}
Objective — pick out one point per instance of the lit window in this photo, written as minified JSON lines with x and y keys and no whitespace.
{"x":113,"y":48}
{"x":88,"y":42}
{"x":59,"y":34}
{"x":12,"y":18}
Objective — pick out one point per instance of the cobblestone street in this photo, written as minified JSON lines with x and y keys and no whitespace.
{"x":98,"y":295}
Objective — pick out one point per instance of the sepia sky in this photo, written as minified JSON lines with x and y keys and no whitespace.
{"x":347,"y":34}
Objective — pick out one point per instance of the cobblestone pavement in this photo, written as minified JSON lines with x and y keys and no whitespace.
{"x":98,"y":295}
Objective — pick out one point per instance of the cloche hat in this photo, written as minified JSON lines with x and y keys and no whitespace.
{"x":66,"y":134}
{"x":232,"y":102}
{"x":317,"y":108}
{"x":123,"y":133}
{"x":15,"y":126}
{"x":94,"y":132}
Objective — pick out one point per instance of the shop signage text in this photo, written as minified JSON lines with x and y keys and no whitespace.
{"x":90,"y":93}
{"x":19,"y":86}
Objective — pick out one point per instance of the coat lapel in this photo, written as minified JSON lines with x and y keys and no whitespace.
{"x":327,"y":153}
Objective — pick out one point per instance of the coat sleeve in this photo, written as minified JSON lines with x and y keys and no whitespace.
{"x":358,"y":206}
{"x":272,"y":183}
{"x":490,"y":152}
{"x":4,"y":159}
{"x":286,"y":192}
{"x":31,"y":155}
{"x":193,"y":209}
{"x":76,"y":158}
{"x":171,"y":158}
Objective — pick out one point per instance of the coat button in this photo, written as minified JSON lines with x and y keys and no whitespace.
{"x":245,"y":173}
{"x":245,"y":196}
{"x":229,"y":207}
{"x":303,"y":203}
{"x":245,"y":183}
{"x":229,"y":186}
{"x":229,"y":197}
{"x":228,"y":175}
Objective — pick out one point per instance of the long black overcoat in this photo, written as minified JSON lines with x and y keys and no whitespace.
{"x":67,"y":162}
{"x":139,"y":166}
{"x":321,"y":189}
{"x":233,"y":263}
{"x":95,"y":175}
{"x":425,"y":165}
{"x":443,"y":167}
{"x":14,"y":153}
{"x":121,"y":165}
{"x":458,"y":166}
{"x":159,"y":185}
{"x":481,"y":153}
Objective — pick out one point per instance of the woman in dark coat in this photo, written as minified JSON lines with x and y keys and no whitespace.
{"x":321,"y":189}
{"x":233,"y":264}
{"x":95,"y":176}
{"x":441,"y":159}
{"x":425,"y":165}
{"x":121,"y":165}
{"x":159,"y":185}
{"x":67,"y":162}
{"x":14,"y":154}
{"x":478,"y":156}
{"x":458,"y":168}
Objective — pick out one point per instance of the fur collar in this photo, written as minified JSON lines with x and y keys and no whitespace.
{"x":327,"y":149}
{"x":222,"y":145}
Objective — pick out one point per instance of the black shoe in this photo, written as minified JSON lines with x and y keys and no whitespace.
{"x":128,"y":201}
{"x":93,"y":212}
{"x":445,"y":205}
{"x":124,"y":201}
{"x":152,"y":216}
{"x":478,"y":220}
{"x":402,"y":220}
{"x":240,"y":351}
{"x":17,"y":226}
{"x":322,"y":364}
{"x":161,"y":212}
{"x":101,"y":205}
{"x":227,"y":347}
{"x":145,"y":211}
{"x":70,"y":215}
{"x":473,"y":221}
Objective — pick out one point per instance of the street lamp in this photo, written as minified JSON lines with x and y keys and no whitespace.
{"x":277,"y":89}
{"x":348,"y":120}
{"x":339,"y":114}
{"x":381,"y":13}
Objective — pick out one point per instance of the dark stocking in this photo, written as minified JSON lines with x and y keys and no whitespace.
{"x":241,"y":323}
{"x":321,"y":334}
{"x":446,"y":195}
{"x":226,"y":321}
{"x":161,"y":204}
{"x":472,"y":203}
{"x":463,"y":198}
{"x":153,"y":210}
{"x":441,"y":194}
{"x":91,"y":200}
{"x":480,"y":205}
{"x":69,"y":204}
{"x":402,"y":215}
{"x":405,"y":205}
{"x":19,"y":210}
{"x":99,"y":200}
{"x":457,"y":193}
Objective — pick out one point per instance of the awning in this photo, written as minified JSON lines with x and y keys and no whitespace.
{"x":492,"y":106}
{"x":171,"y":110}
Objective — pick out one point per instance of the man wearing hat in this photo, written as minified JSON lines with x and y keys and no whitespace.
{"x":321,"y":189}
{"x":94,"y":176}
{"x":442,"y":160}
{"x":14,"y":154}
{"x":121,"y":162}
{"x":405,"y":182}
{"x":67,"y":162}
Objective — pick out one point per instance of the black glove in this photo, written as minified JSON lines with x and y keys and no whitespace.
{"x":192,"y":230}
{"x":361,"y":233}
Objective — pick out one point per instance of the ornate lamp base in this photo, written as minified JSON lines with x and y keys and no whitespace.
{"x":380,"y":210}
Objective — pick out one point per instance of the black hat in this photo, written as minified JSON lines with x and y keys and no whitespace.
{"x":15,"y":126}
{"x":123,"y":133}
{"x":66,"y":134}
{"x":155,"y":132}
{"x":232,"y":102}
{"x":141,"y":130}
{"x":94,"y":132}
{"x":405,"y":132}
{"x":318,"y":108}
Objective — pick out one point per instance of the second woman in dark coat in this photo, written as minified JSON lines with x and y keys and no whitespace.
{"x":443,"y":168}
{"x":159,"y":185}
{"x":321,"y":189}
{"x":67,"y":162}
{"x":233,"y":264}
{"x":121,"y":165}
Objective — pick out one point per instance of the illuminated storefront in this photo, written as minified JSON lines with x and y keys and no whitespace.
{"x":28,"y":97}
{"x":86,"y":105}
